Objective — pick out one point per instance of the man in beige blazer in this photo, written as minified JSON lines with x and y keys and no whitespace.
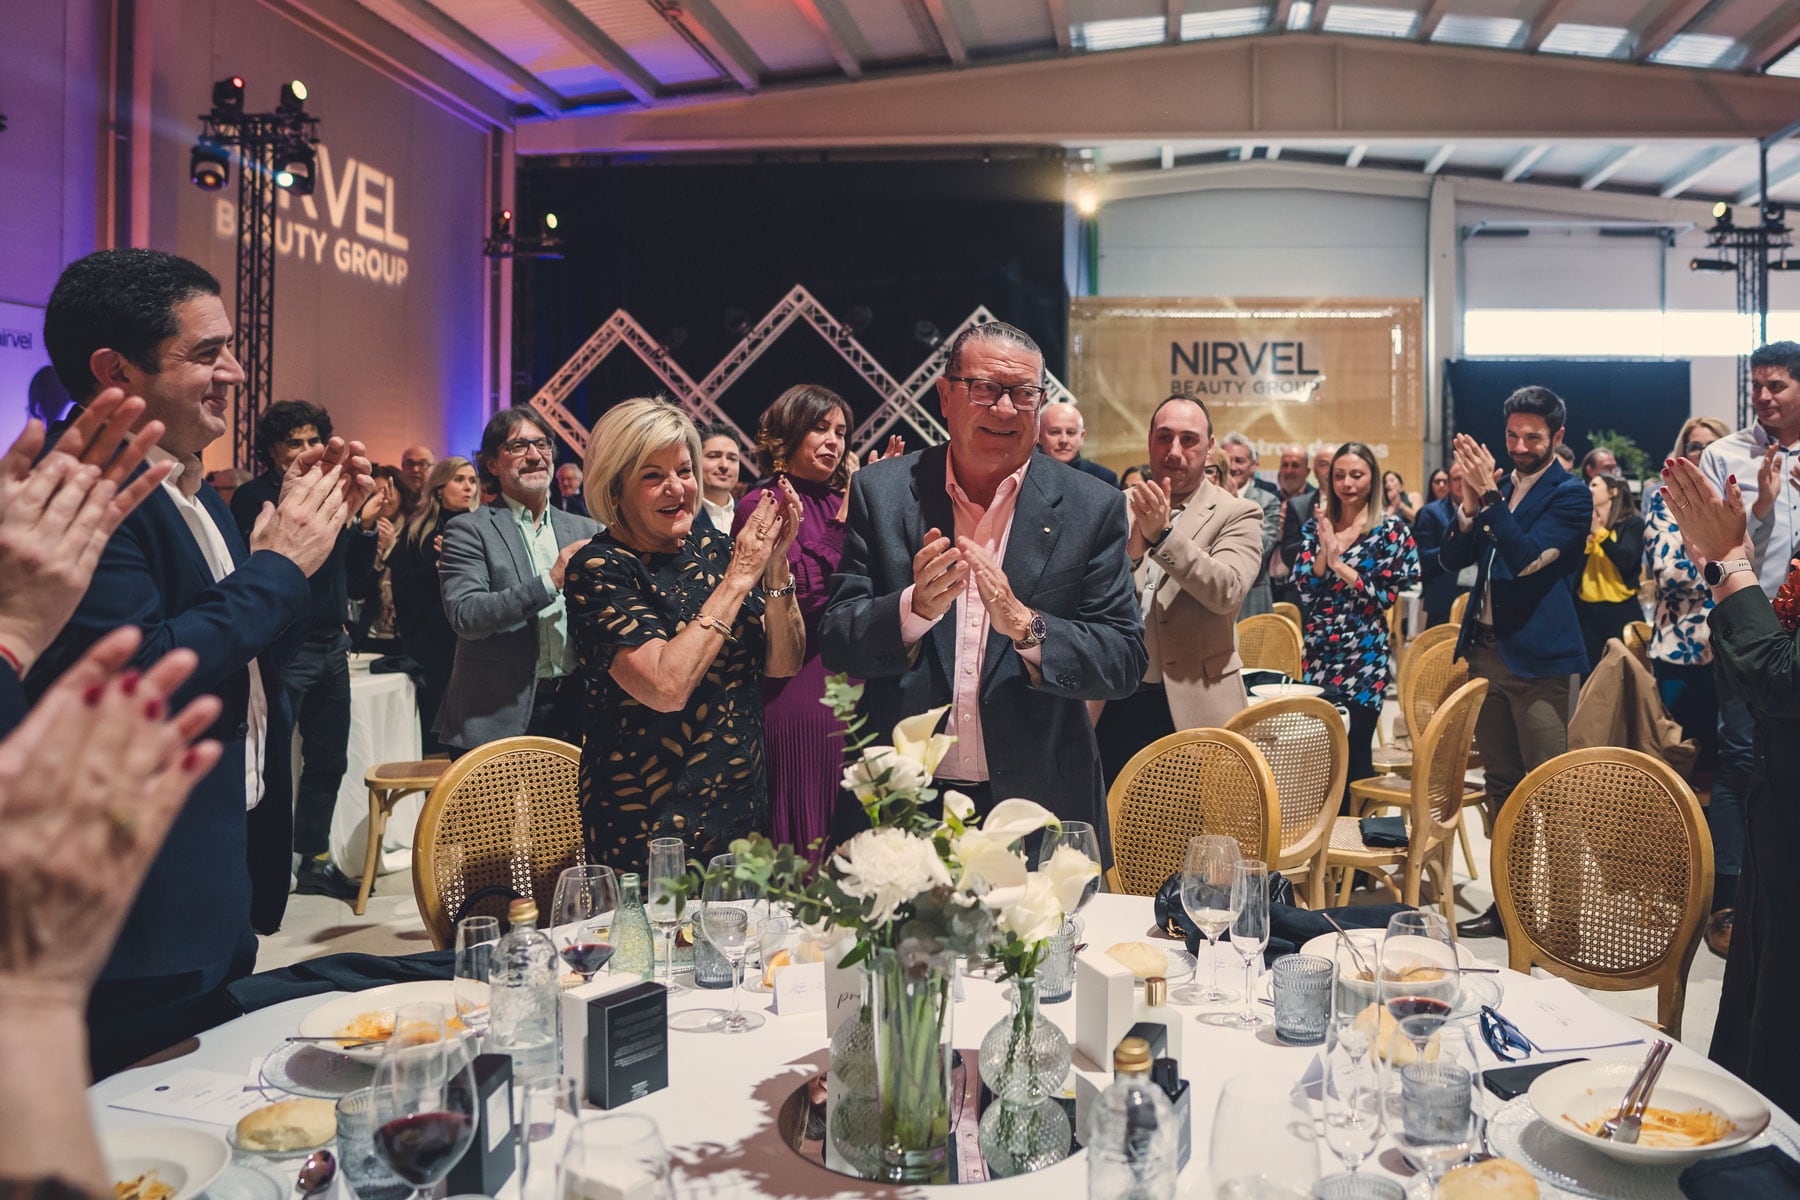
{"x":1195,"y":550}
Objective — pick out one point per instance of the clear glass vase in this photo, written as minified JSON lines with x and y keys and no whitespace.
{"x":1017,"y":1139}
{"x":910,"y":1010}
{"x":1025,"y":1056}
{"x":852,"y":1110}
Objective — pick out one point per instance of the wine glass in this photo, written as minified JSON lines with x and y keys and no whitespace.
{"x":586,"y":898}
{"x":668,"y":865}
{"x":476,"y":938}
{"x":424,"y":1099}
{"x":1351,"y":1092}
{"x":1249,"y":934}
{"x":616,"y":1155}
{"x":1263,"y":1140}
{"x":725,"y":907}
{"x":1418,"y":979}
{"x":1206,"y":896}
{"x":1080,"y":837}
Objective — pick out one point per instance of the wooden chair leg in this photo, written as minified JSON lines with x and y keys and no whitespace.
{"x":380,"y":804}
{"x":1462,"y":837}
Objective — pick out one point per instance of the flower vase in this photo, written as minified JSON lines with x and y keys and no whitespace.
{"x":910,"y":1012}
{"x":853,"y":1116}
{"x":1024,"y":1060}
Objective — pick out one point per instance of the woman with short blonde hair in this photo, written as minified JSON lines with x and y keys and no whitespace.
{"x":674,"y":626}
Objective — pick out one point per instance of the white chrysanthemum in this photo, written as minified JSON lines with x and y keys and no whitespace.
{"x":889,"y":866}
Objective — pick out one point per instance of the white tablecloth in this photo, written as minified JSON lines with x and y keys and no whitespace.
{"x":718,"y":1114}
{"x":384,"y":727}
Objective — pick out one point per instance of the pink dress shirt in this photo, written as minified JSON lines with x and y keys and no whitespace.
{"x":989,"y":528}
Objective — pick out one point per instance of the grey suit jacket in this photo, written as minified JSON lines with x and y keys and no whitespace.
{"x":492,"y":598}
{"x":1065,"y":558}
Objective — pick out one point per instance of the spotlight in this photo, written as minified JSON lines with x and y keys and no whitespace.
{"x":1774,"y":212}
{"x":294,"y":168}
{"x":228,"y":99}
{"x":293,"y":98}
{"x":1711,"y":264}
{"x":210,"y":165}
{"x":1785,"y":264}
{"x":1722,"y":215}
{"x":503,"y":225}
{"x":1087,"y":201}
{"x":550,"y":222}
{"x":737,"y":322}
{"x":926,"y":334}
{"x":675,"y":339}
{"x":860,"y":317}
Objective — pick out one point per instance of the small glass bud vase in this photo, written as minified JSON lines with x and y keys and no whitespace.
{"x":1025,"y":1057}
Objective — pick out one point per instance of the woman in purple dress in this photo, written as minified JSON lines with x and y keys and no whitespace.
{"x":803,"y":436}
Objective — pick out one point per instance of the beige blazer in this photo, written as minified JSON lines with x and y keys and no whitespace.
{"x":1210,"y":559}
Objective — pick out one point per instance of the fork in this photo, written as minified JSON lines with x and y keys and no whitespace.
{"x":1625,"y":1125}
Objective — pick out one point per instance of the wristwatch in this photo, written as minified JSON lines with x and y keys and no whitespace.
{"x":1491,"y":497}
{"x":1716,"y":572}
{"x":1039,"y":631}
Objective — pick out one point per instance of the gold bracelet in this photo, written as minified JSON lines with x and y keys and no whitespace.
{"x":717,"y":626}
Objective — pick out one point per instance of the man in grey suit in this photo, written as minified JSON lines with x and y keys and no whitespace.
{"x":1241,"y":459}
{"x":993,"y":580}
{"x":501,"y":574}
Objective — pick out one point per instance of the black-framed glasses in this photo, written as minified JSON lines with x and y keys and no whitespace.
{"x":526,"y":445}
{"x":1695,"y":447}
{"x":987,"y":393}
{"x":1503,"y":1037}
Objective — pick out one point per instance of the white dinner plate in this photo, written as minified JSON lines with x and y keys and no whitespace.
{"x":1369,"y":942}
{"x":181,"y":1156}
{"x":1284,"y":691}
{"x":1585,"y":1091}
{"x":339,"y":1011}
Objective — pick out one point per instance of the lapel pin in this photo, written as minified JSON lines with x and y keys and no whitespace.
{"x":1046,"y":529}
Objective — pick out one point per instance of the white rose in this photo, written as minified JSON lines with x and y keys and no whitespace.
{"x":915,"y":741}
{"x":1035,"y":915}
{"x":958,"y":805}
{"x":1070,"y":871}
{"x":1014,"y":819}
{"x":988,"y":865}
{"x":889,"y":866}
{"x":881,"y":768}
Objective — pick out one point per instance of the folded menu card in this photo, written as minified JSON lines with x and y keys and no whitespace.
{"x":1556,"y":1017}
{"x":195,"y":1095}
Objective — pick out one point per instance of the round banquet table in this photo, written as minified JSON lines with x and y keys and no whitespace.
{"x":718,"y":1116}
{"x":384,"y":727}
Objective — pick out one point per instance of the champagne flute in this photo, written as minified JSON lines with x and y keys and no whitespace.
{"x":725,"y":906}
{"x":1249,"y":934}
{"x":1206,"y":897}
{"x":424,"y":1099}
{"x":586,"y":898}
{"x":668,"y":864}
{"x":1353,"y":1102}
{"x":476,"y":938}
{"x":1418,"y":979}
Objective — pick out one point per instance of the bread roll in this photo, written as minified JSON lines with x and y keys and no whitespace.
{"x":1495,"y":1179}
{"x":1393,"y":1046}
{"x":289,"y":1125}
{"x":1144,"y":960}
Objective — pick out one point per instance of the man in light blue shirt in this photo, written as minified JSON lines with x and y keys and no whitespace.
{"x":1765,"y":458}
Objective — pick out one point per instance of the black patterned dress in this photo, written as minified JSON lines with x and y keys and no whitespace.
{"x":696,"y":774}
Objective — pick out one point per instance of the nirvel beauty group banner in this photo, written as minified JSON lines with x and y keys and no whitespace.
{"x":1278,"y":371}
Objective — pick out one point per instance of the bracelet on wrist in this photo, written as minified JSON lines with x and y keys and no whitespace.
{"x":775,"y":593}
{"x":707,"y":621}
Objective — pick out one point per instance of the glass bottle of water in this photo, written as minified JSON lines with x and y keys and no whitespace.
{"x":1131,"y":1141}
{"x":525,"y":995}
{"x":634,"y":950}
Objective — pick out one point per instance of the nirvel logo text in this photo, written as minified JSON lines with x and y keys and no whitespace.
{"x":17,"y":339}
{"x":1234,"y":368}
{"x":354,"y":195}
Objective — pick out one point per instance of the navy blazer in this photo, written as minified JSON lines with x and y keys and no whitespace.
{"x":1534,"y":614}
{"x":1437,"y":584}
{"x":13,"y":703}
{"x":1065,"y":559}
{"x":203,"y":890}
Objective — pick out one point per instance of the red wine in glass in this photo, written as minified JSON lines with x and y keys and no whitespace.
{"x":422,"y":1148}
{"x":1419,"y":1016}
{"x":585,"y":958}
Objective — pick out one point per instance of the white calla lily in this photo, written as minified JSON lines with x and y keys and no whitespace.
{"x":1014,"y":819}
{"x":1035,"y":914}
{"x":1069,"y":872}
{"x":987,"y":863}
{"x":881,"y":768}
{"x":914,"y":739}
{"x":958,"y":805}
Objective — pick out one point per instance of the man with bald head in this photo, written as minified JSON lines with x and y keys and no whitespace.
{"x":1061,"y":431}
{"x":415,"y":464}
{"x":1297,"y":499}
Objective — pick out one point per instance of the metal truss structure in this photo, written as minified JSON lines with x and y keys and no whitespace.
{"x":900,"y":402}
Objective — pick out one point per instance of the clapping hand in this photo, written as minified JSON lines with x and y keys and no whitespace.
{"x":1478,"y":467}
{"x":938,"y":575}
{"x":1713,"y":526}
{"x":1150,"y":507}
{"x":755,"y":542}
{"x":789,"y":516}
{"x":1331,"y":548}
{"x":1005,"y":611}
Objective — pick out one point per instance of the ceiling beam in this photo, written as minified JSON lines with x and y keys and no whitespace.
{"x":1278,"y":15}
{"x":1319,"y":9}
{"x":468,"y":44}
{"x":1777,"y":176}
{"x":1355,"y":157}
{"x":709,"y":27}
{"x":1431,"y":18}
{"x":1548,"y":18}
{"x":1059,"y":24}
{"x":1609,"y":166}
{"x":1438,"y":158}
{"x":1664,"y":26}
{"x":829,"y":21}
{"x":944,"y":21}
{"x":1172,"y":21}
{"x":1774,"y":38}
{"x":572,"y":26}
{"x":1690,"y":171}
{"x":1521,"y":166}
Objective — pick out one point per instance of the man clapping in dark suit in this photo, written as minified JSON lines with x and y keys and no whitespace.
{"x":993,"y":580}
{"x":153,"y":324}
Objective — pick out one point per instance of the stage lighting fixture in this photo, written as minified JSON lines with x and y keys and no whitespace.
{"x":228,"y":98}
{"x":1087,"y":201}
{"x":1721,"y":212}
{"x":503,"y":225}
{"x":675,"y":339}
{"x":859,"y":318}
{"x":550,"y":222}
{"x":294,"y":168}
{"x":293,"y":98}
{"x":210,"y":165}
{"x":1711,"y":264}
{"x":926,"y":334}
{"x":1774,"y":212}
{"x":737,"y":322}
{"x":1785,"y":264}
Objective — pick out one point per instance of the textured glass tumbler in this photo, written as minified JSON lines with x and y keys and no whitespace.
{"x":1358,"y":1187}
{"x":1302,"y":987}
{"x":1435,"y":1102}
{"x":367,"y":1173}
{"x":1056,"y":974}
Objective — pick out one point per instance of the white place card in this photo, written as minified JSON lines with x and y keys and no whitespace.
{"x":800,"y":988}
{"x":843,"y":988}
{"x":212,"y":1097}
{"x":1556,"y":1018}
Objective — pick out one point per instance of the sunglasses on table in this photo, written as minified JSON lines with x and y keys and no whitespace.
{"x":1503,"y":1037}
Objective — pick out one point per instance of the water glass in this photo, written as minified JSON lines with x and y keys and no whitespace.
{"x":1350,"y":1093}
{"x":667,"y":866}
{"x":1358,"y":1187}
{"x":771,"y":937}
{"x":725,"y":906}
{"x":1436,"y":1116}
{"x":476,"y":938}
{"x":365,"y":1170}
{"x":1302,"y":987}
{"x":1264,"y":1141}
{"x":1206,"y":898}
{"x":613,"y":1156}
{"x":1056,"y":971}
{"x":1249,"y":934}
{"x":545,"y":1098}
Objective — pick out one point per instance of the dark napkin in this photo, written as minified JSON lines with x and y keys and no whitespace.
{"x":338,"y":973}
{"x":1388,"y":833}
{"x":1290,"y":927}
{"x":1765,"y":1174}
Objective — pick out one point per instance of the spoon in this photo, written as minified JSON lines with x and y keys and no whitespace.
{"x":316,"y":1173}
{"x":1349,"y":941}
